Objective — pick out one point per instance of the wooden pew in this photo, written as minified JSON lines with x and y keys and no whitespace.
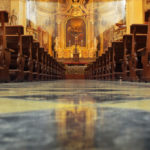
{"x":103,"y":66}
{"x":41,"y":63}
{"x":45,"y":67}
{"x":86,"y":73}
{"x":107,"y":66}
{"x":57,"y":70}
{"x":27,"y":47}
{"x":62,"y":71}
{"x":53,"y":69}
{"x":89,"y":71}
{"x":111,"y":63}
{"x":94,"y":70}
{"x":146,"y":54}
{"x":35,"y":57}
{"x":14,"y":43}
{"x":139,"y":38}
{"x":97,"y":68}
{"x":49,"y":67}
{"x":4,"y":52}
{"x":118,"y":54}
{"x":100,"y":68}
{"x":127,"y":42}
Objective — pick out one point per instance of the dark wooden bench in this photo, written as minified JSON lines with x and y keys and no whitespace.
{"x":104,"y":66}
{"x":127,"y":42}
{"x":27,"y":44}
{"x":35,"y":57}
{"x":54,"y":69}
{"x":94,"y":70}
{"x":87,"y":72}
{"x":45,"y":65}
{"x":146,"y":54}
{"x":111,"y":63}
{"x":118,"y":54}
{"x":41,"y":63}
{"x":4,"y":52}
{"x":107,"y":66}
{"x":100,"y":68}
{"x":14,"y":43}
{"x":97,"y":68}
{"x":49,"y":67}
{"x":139,"y":38}
{"x":62,"y":71}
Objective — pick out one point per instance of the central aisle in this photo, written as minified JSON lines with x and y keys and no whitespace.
{"x":75,"y":115}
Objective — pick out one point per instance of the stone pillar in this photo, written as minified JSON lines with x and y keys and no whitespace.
{"x":5,"y":5}
{"x":88,"y":33}
{"x":101,"y":46}
{"x":22,"y":14}
{"x":62,"y":36}
{"x":59,"y":34}
{"x":50,"y":45}
{"x":134,"y":13}
{"x":18,"y":9}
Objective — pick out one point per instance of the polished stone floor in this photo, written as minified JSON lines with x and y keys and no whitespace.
{"x":75,"y":115}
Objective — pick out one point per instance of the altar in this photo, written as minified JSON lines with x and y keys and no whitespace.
{"x":75,"y":30}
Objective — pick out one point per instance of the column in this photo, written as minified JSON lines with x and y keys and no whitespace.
{"x":18,"y":8}
{"x":134,"y":13}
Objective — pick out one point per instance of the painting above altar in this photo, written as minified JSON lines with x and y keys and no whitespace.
{"x":75,"y":27}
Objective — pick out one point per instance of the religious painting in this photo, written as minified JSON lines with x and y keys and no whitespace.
{"x":76,"y":32}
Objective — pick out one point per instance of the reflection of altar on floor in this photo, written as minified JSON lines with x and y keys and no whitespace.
{"x":76,"y":128}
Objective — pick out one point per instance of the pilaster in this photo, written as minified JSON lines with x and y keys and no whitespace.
{"x":134,"y":15}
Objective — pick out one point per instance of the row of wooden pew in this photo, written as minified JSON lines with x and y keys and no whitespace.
{"x":22,"y":58}
{"x":128,"y":59}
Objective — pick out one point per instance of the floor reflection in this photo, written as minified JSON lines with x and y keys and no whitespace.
{"x":75,"y":115}
{"x":76,"y":124}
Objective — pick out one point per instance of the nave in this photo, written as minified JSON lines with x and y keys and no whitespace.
{"x":45,"y":45}
{"x":75,"y":115}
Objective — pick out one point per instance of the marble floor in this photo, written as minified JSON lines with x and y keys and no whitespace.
{"x":75,"y":115}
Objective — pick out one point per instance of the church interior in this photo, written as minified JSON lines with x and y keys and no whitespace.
{"x":74,"y":74}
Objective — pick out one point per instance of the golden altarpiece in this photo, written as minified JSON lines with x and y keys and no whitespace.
{"x":75,"y":30}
